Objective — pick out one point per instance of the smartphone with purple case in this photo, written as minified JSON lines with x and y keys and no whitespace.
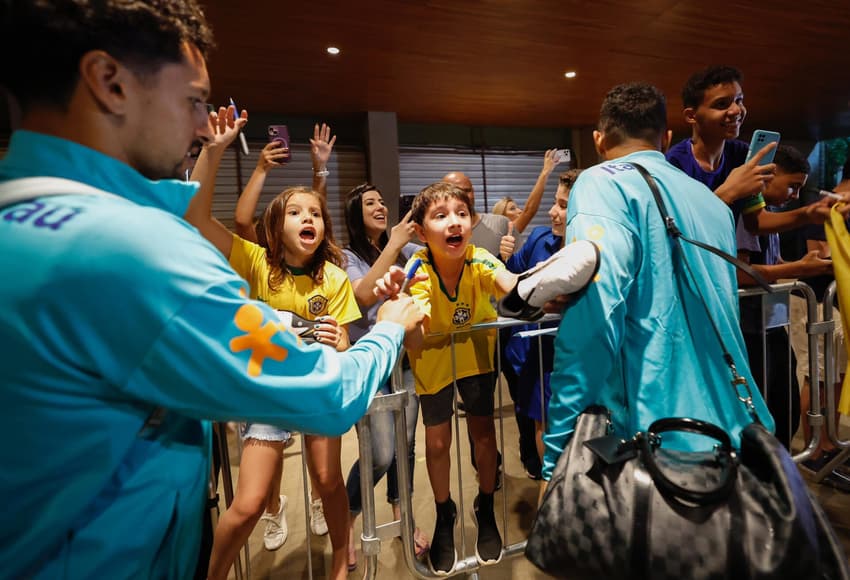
{"x":280,"y":133}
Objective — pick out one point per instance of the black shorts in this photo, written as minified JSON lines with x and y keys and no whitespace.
{"x":477,"y":393}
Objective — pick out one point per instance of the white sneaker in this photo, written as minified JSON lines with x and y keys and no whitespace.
{"x":276,"y":528}
{"x":317,"y":518}
{"x":567,"y":271}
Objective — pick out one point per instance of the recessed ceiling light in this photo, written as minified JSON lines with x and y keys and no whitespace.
{"x":333,"y":50}
{"x":570,"y":74}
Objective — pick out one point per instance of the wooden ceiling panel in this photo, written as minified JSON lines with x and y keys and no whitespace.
{"x":501,"y":62}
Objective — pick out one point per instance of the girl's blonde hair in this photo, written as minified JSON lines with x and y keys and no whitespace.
{"x":501,"y":206}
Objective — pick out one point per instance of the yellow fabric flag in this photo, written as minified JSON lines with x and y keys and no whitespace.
{"x":839,"y":246}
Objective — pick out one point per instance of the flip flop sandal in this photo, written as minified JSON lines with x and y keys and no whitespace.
{"x":352,"y":566}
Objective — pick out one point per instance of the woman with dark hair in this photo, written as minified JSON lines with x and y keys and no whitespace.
{"x":370,"y":253}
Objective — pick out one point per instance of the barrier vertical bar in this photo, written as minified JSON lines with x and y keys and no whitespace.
{"x":501,"y":447}
{"x":830,"y":380}
{"x":220,"y":432}
{"x":367,"y":496}
{"x":813,"y":331}
{"x":457,"y":440}
{"x":307,"y":501}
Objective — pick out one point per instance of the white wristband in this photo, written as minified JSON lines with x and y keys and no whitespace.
{"x":322,"y":173}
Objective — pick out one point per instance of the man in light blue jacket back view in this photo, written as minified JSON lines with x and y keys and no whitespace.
{"x":123,"y":331}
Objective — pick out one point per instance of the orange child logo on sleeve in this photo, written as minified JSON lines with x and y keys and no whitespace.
{"x":258,"y":338}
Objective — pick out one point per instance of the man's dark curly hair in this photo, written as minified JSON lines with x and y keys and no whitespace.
{"x":633,"y":111}
{"x":694,"y":90}
{"x":43,"y":40}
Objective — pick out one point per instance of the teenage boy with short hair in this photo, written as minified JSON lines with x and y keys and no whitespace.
{"x":522,"y":355}
{"x":714,"y":108}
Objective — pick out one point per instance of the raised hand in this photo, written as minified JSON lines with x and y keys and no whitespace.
{"x":402,"y":232}
{"x":389,"y":285}
{"x":550,"y":160}
{"x":749,"y":179}
{"x":321,"y":146}
{"x":508,"y":242}
{"x":272,"y":155}
{"x":225,"y":127}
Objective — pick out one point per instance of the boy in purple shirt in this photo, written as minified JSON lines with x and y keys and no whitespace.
{"x":714,"y":108}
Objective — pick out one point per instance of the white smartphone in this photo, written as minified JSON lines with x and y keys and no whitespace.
{"x":759,"y":141}
{"x":563,"y":155}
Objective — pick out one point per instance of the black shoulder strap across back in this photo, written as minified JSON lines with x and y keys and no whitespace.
{"x":675,"y":233}
{"x":739,"y":383}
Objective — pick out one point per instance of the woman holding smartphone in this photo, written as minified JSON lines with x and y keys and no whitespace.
{"x":370,"y":253}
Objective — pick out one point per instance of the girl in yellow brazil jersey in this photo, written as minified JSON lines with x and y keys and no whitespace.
{"x":300,"y":271}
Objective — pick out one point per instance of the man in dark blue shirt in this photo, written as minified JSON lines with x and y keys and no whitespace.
{"x":521,"y":367}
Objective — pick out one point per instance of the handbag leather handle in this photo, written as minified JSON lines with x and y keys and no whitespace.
{"x":696,"y":426}
{"x":726,"y":455}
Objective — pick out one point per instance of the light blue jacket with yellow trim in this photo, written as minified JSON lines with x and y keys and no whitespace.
{"x":638,"y":339}
{"x":112,"y":307}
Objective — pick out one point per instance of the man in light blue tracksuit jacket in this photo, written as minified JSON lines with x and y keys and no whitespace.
{"x":123,"y":332}
{"x":638,"y":340}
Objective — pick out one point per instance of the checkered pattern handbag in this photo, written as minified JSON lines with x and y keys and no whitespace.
{"x":626,"y":509}
{"x":631,"y":509}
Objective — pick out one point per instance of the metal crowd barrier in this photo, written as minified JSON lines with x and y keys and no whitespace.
{"x":780,"y":296}
{"x":816,"y":327}
{"x":373,"y":534}
{"x":830,"y":380}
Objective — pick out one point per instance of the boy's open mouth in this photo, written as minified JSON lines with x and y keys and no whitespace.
{"x":454,"y":240}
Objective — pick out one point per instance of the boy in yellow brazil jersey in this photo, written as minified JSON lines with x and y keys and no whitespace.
{"x":453,"y":286}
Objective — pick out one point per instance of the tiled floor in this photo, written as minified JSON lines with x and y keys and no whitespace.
{"x":290,"y":561}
